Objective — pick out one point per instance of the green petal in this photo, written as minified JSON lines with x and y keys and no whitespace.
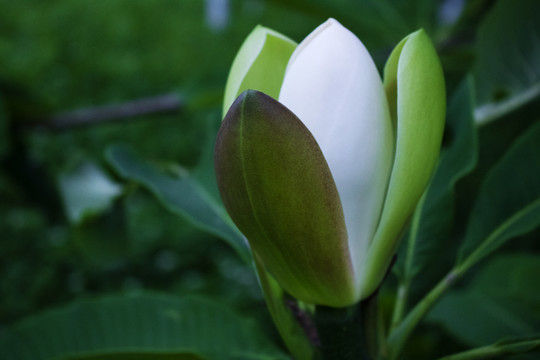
{"x":259,"y":65}
{"x":278,"y":189}
{"x":415,"y":88}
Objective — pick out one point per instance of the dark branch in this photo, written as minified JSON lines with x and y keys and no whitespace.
{"x":96,"y":115}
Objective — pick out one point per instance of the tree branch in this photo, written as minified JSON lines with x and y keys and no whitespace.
{"x":167,"y":103}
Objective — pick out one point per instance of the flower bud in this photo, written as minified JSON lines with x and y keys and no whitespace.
{"x":323,"y":182}
{"x":276,"y":185}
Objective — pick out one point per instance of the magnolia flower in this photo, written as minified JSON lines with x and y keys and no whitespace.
{"x":321,"y":164}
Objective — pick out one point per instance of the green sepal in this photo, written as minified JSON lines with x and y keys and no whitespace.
{"x":279,"y":191}
{"x":259,"y":65}
{"x":414,"y":85}
{"x":293,"y":335}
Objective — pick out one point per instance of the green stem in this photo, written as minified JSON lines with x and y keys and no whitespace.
{"x":400,"y":304}
{"x":399,"y":336}
{"x":496,"y":351}
{"x":348,"y":333}
{"x":406,"y":279}
{"x":339,"y":333}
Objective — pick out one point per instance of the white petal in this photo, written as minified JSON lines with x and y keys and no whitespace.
{"x":333,"y":86}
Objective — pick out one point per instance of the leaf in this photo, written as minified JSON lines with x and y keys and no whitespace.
{"x":87,"y":191}
{"x":508,"y":203}
{"x":183,"y":196}
{"x":432,"y":222}
{"x":501,"y":350}
{"x":508,"y":53}
{"x":513,"y":276}
{"x":500,"y":302}
{"x":146,"y":326}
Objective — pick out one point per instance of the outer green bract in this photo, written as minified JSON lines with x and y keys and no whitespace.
{"x":260,"y":64}
{"x":323,"y":182}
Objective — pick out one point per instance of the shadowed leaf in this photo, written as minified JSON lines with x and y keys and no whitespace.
{"x":183,"y":196}
{"x":147,"y":326}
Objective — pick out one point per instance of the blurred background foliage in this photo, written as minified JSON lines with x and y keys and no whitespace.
{"x":72,"y":228}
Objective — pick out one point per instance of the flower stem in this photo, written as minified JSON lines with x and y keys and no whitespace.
{"x":400,"y":304}
{"x":406,"y":278}
{"x":348,"y":333}
{"x":399,"y":336}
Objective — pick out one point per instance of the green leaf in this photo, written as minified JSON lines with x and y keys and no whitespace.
{"x":414,"y":85}
{"x":87,"y":191}
{"x":432,"y":222}
{"x":508,"y":203}
{"x":183,"y":196}
{"x":278,"y":189}
{"x":146,"y":326}
{"x":513,"y":276}
{"x":259,"y":65}
{"x":508,"y":53}
{"x":500,"y":350}
{"x":501,"y":301}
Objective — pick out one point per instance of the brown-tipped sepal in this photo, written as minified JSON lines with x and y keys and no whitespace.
{"x":278,"y":189}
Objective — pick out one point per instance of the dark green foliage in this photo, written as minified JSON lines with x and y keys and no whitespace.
{"x":501,"y":302}
{"x":156,"y":326}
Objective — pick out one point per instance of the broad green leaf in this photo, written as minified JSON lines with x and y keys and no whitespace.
{"x":138,"y":356}
{"x":501,"y":301}
{"x":259,"y":65}
{"x":278,"y":189}
{"x":146,"y":326}
{"x":508,"y":203}
{"x":180,"y":195}
{"x":432,"y":222}
{"x":507,"y":68}
{"x":87,"y":191}
{"x":414,"y":85}
{"x":513,"y":276}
